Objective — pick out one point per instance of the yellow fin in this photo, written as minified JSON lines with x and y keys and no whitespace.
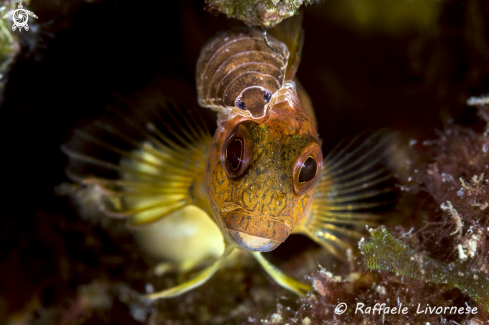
{"x":145,"y":163}
{"x":186,"y":238}
{"x":282,"y":279}
{"x":356,"y":189}
{"x":196,"y":281}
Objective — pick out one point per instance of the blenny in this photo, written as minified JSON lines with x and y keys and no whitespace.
{"x":260,"y":178}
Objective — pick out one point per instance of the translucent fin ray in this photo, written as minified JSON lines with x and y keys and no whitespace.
{"x":342,"y":217}
{"x":350,"y":206}
{"x":291,"y":33}
{"x":360,"y":183}
{"x":350,"y":164}
{"x":354,"y":197}
{"x":196,"y":281}
{"x":356,"y":188}
{"x":142,"y":219}
{"x":142,"y":164}
{"x":169,"y":167}
{"x":159,"y":204}
{"x":282,"y":279}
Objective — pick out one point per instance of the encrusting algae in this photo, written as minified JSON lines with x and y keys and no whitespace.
{"x":259,"y":179}
{"x":266,"y":13}
{"x":385,"y":252}
{"x":461,"y":191}
{"x":435,"y":264}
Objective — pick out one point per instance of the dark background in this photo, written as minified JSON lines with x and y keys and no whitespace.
{"x":411,"y":74}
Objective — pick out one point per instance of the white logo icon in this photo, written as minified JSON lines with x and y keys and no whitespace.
{"x":20,"y":17}
{"x":340,"y":308}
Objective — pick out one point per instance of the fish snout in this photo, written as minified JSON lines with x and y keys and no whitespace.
{"x":257,"y":234}
{"x":253,"y":243}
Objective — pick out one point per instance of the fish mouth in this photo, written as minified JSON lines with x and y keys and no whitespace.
{"x":257,"y":234}
{"x":253,"y":243}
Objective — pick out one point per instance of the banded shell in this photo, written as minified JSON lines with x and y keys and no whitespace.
{"x":241,"y":70}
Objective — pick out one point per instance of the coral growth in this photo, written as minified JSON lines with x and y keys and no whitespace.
{"x":434,"y":267}
{"x":266,"y":13}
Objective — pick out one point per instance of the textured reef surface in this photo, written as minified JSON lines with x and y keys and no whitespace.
{"x":266,"y":13}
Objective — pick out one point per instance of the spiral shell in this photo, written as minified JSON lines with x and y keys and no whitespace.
{"x":241,"y":70}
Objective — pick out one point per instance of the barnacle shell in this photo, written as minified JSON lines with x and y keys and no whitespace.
{"x":240,"y":64}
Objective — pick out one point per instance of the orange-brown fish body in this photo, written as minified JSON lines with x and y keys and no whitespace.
{"x":266,"y":200}
{"x":259,"y":199}
{"x":260,"y":178}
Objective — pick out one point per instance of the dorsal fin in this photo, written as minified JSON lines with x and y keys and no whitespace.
{"x":290,"y":32}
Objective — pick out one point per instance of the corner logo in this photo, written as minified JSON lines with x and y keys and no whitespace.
{"x":20,"y":17}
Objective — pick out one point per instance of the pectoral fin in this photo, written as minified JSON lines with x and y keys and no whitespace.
{"x":356,"y":189}
{"x":143,"y":167}
{"x":196,"y":281}
{"x":279,"y":277}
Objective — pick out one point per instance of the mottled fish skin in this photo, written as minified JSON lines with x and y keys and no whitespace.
{"x":235,"y":72}
{"x":264,"y":201}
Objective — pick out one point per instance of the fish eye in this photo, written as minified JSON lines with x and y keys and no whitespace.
{"x":236,"y":151}
{"x":267,"y":96}
{"x":240,"y":104}
{"x":308,"y":170}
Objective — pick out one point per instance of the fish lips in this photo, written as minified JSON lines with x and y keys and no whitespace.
{"x":256,"y":234}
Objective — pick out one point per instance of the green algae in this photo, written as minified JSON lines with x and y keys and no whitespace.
{"x":384,"y":252}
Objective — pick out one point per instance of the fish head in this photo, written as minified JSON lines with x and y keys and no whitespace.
{"x":261,"y":176}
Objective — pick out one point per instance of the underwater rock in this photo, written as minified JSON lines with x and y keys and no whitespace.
{"x":266,"y":13}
